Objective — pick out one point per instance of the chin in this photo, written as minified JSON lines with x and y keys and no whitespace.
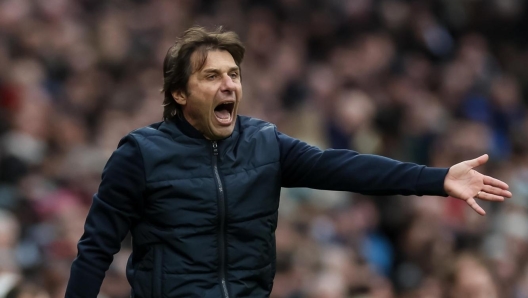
{"x":219,"y":132}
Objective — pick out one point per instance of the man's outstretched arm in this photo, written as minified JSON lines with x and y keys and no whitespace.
{"x":307,"y":166}
{"x":114,"y":208}
{"x":336,"y":169}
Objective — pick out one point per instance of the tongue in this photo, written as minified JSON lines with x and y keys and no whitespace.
{"x":222,"y":114}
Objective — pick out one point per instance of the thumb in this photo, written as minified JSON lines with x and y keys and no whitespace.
{"x":473,"y":163}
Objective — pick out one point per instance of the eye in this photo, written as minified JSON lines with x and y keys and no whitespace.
{"x":234,"y":75}
{"x":211,"y":77}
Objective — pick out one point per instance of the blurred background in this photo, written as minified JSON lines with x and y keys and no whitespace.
{"x":432,"y":82}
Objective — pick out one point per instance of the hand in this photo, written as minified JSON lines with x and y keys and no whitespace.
{"x":464,"y":183}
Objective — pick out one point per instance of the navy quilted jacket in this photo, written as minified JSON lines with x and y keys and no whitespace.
{"x":203,"y":214}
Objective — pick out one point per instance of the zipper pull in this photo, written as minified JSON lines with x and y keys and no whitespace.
{"x":215,"y":148}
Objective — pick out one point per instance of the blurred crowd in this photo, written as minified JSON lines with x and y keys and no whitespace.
{"x":431,"y":82}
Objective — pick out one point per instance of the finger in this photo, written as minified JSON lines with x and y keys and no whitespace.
{"x":473,"y":163}
{"x":473,"y":204}
{"x":490,"y":197}
{"x":495,"y":182}
{"x":496,"y":191}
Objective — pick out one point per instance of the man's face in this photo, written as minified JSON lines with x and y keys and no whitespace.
{"x":213,"y":95}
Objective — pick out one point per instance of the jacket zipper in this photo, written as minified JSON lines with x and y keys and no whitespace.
{"x":221,"y":226}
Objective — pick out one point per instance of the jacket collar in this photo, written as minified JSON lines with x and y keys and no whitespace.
{"x":179,"y":123}
{"x":186,"y":128}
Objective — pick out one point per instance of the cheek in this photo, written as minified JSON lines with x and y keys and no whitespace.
{"x":197,"y":110}
{"x":199,"y":104}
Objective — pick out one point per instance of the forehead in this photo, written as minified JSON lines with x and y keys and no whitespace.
{"x":218,"y":59}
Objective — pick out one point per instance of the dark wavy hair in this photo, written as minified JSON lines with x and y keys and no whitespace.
{"x":177,"y":66}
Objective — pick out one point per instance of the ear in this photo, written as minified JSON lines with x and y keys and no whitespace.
{"x":180,"y":97}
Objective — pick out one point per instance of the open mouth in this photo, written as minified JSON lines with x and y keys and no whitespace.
{"x":224,"y":112}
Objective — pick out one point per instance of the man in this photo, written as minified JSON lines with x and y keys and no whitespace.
{"x":199,"y":192}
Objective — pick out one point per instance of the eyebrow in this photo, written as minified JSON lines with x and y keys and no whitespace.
{"x":213,"y":70}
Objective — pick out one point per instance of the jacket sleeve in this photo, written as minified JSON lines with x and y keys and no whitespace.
{"x":303,"y":165}
{"x":114,"y":208}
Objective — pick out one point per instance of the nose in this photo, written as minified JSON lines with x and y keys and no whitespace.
{"x":228,"y":85}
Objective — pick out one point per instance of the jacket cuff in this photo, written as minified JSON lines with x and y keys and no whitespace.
{"x":431,"y":182}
